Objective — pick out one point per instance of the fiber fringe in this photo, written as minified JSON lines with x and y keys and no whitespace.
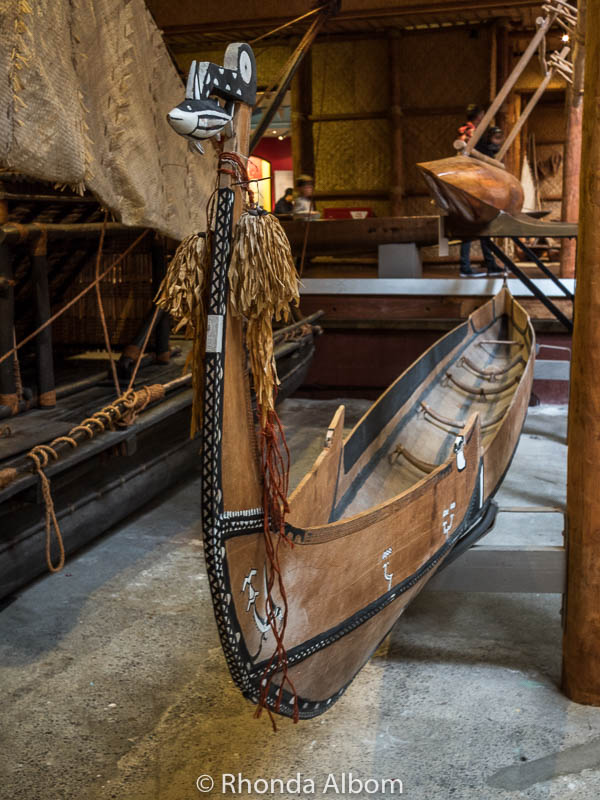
{"x":263,"y":283}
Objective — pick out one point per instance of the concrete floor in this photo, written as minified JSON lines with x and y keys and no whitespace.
{"x":114,"y":685}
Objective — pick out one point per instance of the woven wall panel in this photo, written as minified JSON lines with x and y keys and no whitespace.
{"x":548,"y":124}
{"x":419,"y":206}
{"x":426,"y":139}
{"x":350,"y":77}
{"x":352,"y":154}
{"x":445,"y":68}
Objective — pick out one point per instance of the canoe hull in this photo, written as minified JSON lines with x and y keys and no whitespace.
{"x":472,"y":191}
{"x":360,"y":556}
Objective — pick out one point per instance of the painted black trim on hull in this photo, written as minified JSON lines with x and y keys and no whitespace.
{"x":309,"y":708}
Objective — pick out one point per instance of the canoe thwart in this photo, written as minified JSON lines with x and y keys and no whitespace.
{"x":482,"y":391}
{"x":400,"y":450}
{"x":490,"y":373}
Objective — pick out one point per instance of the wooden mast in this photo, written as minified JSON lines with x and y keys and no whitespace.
{"x":581,"y":646}
{"x":241,"y":481}
{"x":572,"y":161}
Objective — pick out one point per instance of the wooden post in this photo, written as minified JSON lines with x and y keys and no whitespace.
{"x":581,"y":644}
{"x":8,"y":391}
{"x":397,"y":187}
{"x":303,"y":155}
{"x":43,"y":341}
{"x":163,"y":326}
{"x":572,"y":159}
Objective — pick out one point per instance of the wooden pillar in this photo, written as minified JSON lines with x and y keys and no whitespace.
{"x":581,"y":644}
{"x":8,"y":391}
{"x":397,"y":186}
{"x":163,"y":326}
{"x":572,"y":159}
{"x":303,"y":155}
{"x":43,"y":341}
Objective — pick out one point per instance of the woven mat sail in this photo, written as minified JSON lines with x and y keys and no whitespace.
{"x":85,"y":87}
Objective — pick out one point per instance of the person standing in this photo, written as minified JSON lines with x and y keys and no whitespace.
{"x":489,"y":146}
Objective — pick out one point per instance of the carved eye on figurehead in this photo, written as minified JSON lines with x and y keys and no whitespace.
{"x":245,"y":67}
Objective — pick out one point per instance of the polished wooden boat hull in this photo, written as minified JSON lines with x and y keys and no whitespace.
{"x":471,"y":190}
{"x":376,"y":516}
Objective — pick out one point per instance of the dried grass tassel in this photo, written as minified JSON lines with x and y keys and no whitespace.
{"x":182,"y":295}
{"x":263,"y":282}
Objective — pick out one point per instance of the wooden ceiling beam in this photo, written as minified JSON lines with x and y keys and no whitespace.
{"x":424,"y":9}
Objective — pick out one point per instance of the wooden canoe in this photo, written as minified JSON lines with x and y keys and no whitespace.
{"x":472,"y":190}
{"x":376,"y":516}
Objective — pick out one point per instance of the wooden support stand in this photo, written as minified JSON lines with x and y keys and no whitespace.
{"x":581,"y":647}
{"x":43,"y":341}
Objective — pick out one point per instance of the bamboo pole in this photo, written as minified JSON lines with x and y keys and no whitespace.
{"x":528,"y":109}
{"x":581,"y":643}
{"x":510,"y":82}
{"x":572,"y":159}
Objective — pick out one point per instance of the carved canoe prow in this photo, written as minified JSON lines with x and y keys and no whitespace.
{"x":472,"y":190}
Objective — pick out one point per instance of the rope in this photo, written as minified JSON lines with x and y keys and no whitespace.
{"x":101,"y":308}
{"x":275,"y":468}
{"x":74,"y":300}
{"x":133,"y":403}
{"x":40,"y":455}
{"x":287,"y":24}
{"x":143,"y":349}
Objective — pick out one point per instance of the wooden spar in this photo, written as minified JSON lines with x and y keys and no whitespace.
{"x":43,"y":341}
{"x":8,"y":392}
{"x":132,"y":351}
{"x":291,"y":68}
{"x":241,"y":480}
{"x":528,"y":109}
{"x":16,"y":233}
{"x":581,"y":643}
{"x":510,"y":82}
{"x":397,"y":186}
{"x":572,"y":160}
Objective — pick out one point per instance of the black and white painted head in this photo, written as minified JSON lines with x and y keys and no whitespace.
{"x":201,"y":115}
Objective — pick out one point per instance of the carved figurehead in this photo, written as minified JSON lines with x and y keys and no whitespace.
{"x":202,"y":115}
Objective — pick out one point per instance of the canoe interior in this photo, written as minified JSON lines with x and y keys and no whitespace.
{"x":412,"y":428}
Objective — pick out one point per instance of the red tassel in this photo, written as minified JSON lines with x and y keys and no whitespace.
{"x":275,"y":469}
